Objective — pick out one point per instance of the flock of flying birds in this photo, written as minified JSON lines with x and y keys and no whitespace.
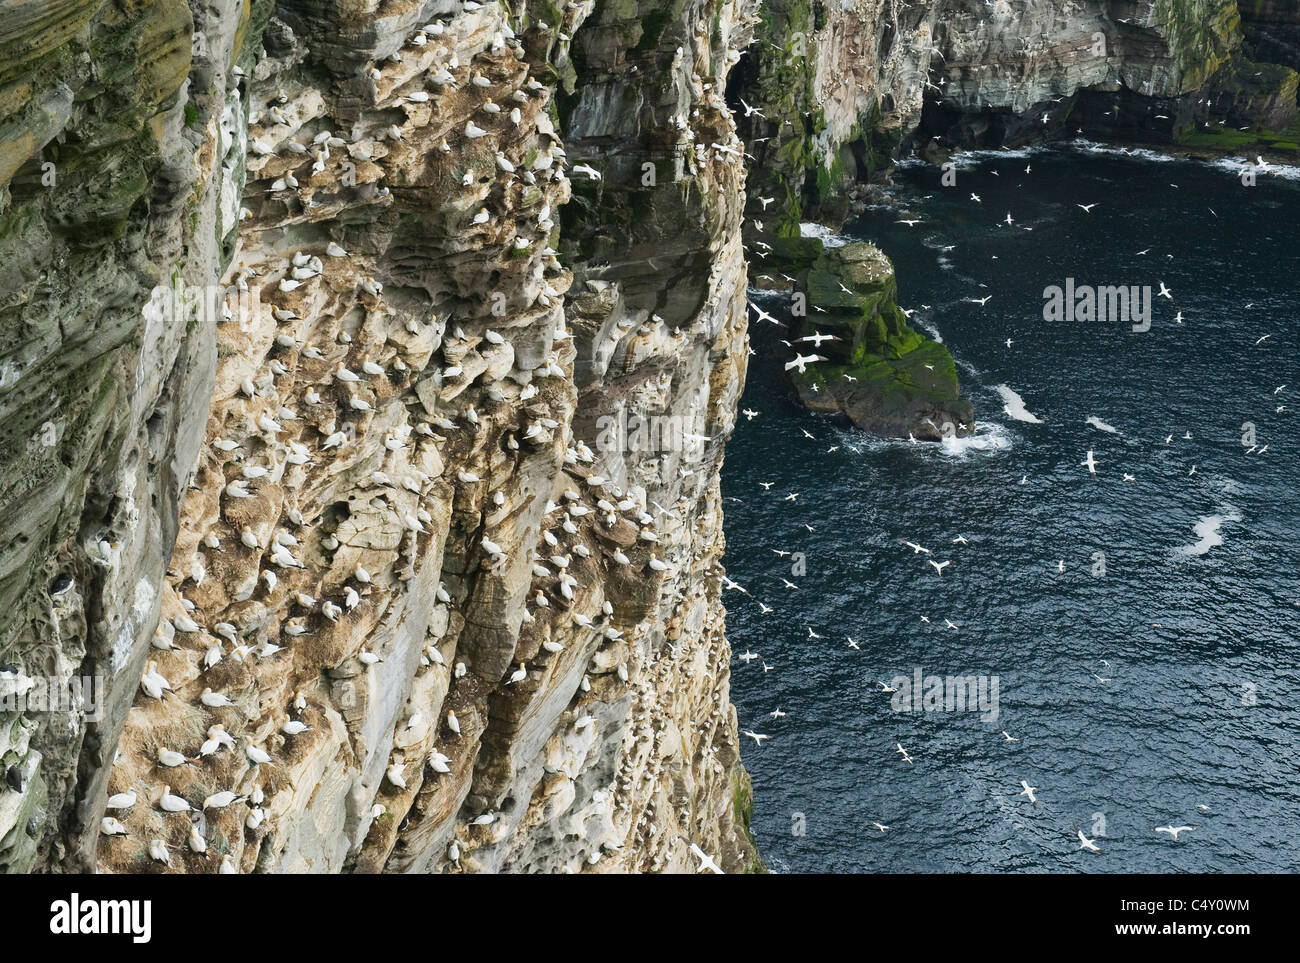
{"x":1090,"y":462}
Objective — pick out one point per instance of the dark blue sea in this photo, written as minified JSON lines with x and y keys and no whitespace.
{"x":1185,"y":583}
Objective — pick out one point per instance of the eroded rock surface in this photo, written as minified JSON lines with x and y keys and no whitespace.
{"x":423,"y":611}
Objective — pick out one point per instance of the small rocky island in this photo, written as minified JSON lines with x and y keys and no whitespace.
{"x":884,"y":376}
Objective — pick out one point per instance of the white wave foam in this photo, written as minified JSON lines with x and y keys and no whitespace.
{"x":1234,"y":166}
{"x":972,"y":158}
{"x":988,"y":436}
{"x":1101,"y":425}
{"x":1085,"y":146}
{"x":823,"y":233}
{"x":1015,"y":405}
{"x":1207,"y":530}
{"x":931,"y":331}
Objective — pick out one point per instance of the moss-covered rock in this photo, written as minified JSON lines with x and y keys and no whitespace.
{"x":877,"y":370}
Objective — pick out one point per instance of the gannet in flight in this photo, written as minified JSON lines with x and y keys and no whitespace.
{"x":758,"y":737}
{"x":801,"y":361}
{"x":706,"y":861}
{"x":1090,"y":463}
{"x":939,"y":566}
{"x":1085,"y":842}
{"x":817,"y":338}
{"x":1029,"y":791}
{"x":1174,"y":830}
{"x":1165,"y":292}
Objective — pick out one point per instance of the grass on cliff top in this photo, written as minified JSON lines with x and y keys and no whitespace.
{"x":1231,"y":139}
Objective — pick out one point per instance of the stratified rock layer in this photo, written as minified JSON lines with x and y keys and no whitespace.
{"x":425,"y":611}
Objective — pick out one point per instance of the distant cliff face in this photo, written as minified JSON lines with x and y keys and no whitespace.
{"x":365,"y":372}
{"x":840,"y":87}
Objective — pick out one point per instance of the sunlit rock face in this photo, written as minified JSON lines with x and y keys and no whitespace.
{"x":352,"y":466}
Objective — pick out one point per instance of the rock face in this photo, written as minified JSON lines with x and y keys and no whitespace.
{"x":432,"y":605}
{"x":843,"y":86}
{"x":115,"y":153}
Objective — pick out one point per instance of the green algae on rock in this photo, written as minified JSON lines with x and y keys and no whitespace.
{"x":879,"y":372}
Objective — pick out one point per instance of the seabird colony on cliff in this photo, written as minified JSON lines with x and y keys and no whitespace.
{"x":594,"y":500}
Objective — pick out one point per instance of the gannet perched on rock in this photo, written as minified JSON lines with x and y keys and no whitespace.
{"x":122,"y":800}
{"x":395,"y":774}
